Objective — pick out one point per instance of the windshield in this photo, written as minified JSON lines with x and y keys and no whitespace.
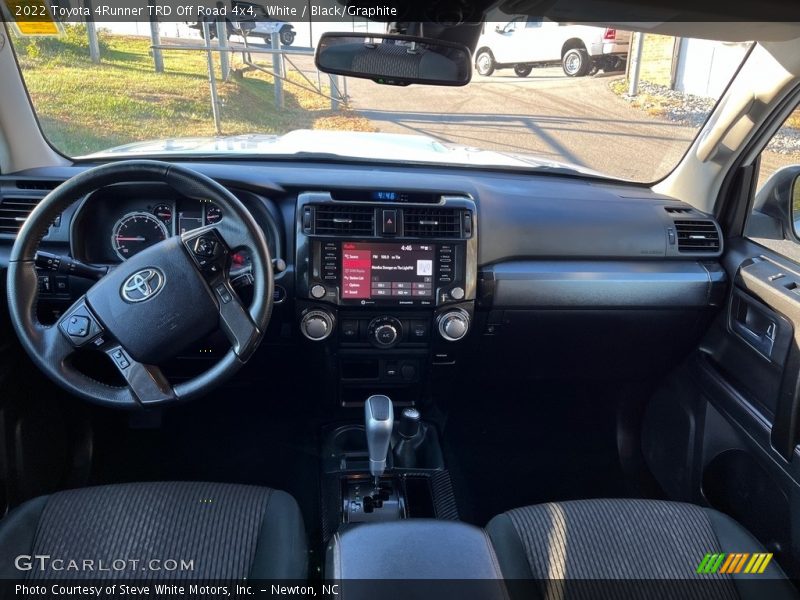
{"x":543,"y":95}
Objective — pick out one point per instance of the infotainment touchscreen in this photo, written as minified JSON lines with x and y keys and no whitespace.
{"x":375,"y":271}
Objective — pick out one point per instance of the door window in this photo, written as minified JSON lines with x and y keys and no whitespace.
{"x":775,"y":219}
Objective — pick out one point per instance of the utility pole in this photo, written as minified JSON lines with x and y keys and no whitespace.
{"x":212,"y":80}
{"x":310,"y":26}
{"x":277,"y":68}
{"x":636,"y":65}
{"x":336,"y":92}
{"x":222,"y":38}
{"x":155,"y":41}
{"x":91,"y":32}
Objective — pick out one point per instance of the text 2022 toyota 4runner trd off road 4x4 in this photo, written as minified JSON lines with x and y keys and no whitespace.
{"x":526,"y":42}
{"x":434,"y":337}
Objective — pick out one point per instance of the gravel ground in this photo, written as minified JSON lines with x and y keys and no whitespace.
{"x":691,"y":110}
{"x":575,"y":120}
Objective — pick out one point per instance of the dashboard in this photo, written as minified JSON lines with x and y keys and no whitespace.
{"x":387,"y":282}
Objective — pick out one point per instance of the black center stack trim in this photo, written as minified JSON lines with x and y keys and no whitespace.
{"x":385,"y":270}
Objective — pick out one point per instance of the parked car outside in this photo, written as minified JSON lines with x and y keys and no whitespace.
{"x":524,"y":43}
{"x":253,"y":20}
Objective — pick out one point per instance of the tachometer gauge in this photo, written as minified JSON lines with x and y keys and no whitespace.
{"x":136,"y":231}
{"x":163,"y":212}
{"x":213,"y":214}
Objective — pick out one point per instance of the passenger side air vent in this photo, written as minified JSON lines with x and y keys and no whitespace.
{"x":678,"y":210}
{"x":14,"y":212}
{"x":349,"y":220}
{"x":697,"y":236}
{"x":433,"y":222}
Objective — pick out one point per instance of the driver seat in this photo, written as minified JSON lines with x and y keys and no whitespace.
{"x":228,"y":531}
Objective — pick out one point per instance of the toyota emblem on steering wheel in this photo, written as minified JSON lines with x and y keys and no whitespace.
{"x":142,"y":285}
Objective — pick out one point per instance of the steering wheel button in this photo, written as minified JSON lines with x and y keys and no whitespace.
{"x":224,"y":294}
{"x":204,"y":246}
{"x":78,"y":326}
{"x":118,"y":356}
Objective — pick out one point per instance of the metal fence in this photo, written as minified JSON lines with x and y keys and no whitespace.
{"x":279,"y":67}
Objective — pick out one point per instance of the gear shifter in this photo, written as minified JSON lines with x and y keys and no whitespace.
{"x":378,"y":423}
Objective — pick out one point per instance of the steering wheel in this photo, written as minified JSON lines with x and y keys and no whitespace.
{"x":150,"y":307}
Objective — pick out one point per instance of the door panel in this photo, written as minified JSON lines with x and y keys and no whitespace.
{"x":764,"y":314}
{"x":505,"y":42}
{"x":723,"y":429}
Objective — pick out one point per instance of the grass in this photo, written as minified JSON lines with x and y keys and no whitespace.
{"x":85,"y":107}
{"x":794,"y":119}
{"x":796,"y":197}
{"x":654,"y":106}
{"x":657,"y":106}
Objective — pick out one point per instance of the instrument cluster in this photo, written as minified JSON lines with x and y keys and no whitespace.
{"x":141,"y":228}
{"x":118,"y":222}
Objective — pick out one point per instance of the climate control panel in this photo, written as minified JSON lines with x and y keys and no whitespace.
{"x":385,"y":332}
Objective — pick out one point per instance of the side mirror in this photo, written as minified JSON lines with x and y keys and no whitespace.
{"x":776,"y":210}
{"x":393,"y":59}
{"x":796,"y":205}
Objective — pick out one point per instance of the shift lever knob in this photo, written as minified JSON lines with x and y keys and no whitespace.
{"x":378,"y":423}
{"x":409,"y":423}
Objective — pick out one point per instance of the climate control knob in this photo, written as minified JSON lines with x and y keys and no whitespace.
{"x":453,"y":325}
{"x":385,"y":332}
{"x":317,"y":325}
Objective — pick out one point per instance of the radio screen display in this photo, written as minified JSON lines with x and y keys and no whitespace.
{"x":387,"y":271}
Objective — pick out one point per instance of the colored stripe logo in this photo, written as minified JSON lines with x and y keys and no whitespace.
{"x":737,"y":562}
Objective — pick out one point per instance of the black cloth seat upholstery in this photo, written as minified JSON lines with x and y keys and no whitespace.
{"x":227,"y":532}
{"x":615,"y":539}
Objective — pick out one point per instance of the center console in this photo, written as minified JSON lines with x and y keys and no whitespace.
{"x":386,"y":284}
{"x":398,"y":523}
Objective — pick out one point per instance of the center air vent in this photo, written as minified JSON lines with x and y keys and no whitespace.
{"x":349,"y":220}
{"x":432,"y":222}
{"x":697,"y":236}
{"x":14,"y":212}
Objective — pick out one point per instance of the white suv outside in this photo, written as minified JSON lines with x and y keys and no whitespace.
{"x":524,"y":42}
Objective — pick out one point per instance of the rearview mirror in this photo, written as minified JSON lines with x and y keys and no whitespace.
{"x":392,"y":59}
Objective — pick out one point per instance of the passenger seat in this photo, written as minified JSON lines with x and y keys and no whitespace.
{"x":614,"y":539}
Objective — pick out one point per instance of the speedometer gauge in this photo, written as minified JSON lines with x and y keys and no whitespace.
{"x":136,"y":231}
{"x":213,"y":214}
{"x":164,"y":213}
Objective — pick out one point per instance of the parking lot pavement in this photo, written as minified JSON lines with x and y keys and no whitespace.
{"x":580,"y":120}
{"x":574,"y":120}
